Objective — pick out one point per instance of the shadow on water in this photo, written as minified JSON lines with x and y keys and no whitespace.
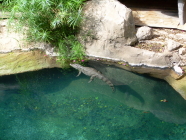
{"x":28,"y":90}
{"x":127,"y":91}
{"x":45,"y":81}
{"x":36,"y":83}
{"x":145,"y":93}
{"x":173,"y":110}
{"x":130,"y":92}
{"x":8,"y":86}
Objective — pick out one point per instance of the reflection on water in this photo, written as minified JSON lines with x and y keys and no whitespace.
{"x":55,"y":104}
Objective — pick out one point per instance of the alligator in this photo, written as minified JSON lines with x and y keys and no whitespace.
{"x":92,"y":73}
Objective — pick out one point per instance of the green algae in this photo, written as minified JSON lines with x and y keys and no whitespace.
{"x":19,"y":62}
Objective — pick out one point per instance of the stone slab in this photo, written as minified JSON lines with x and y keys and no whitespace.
{"x":133,"y":56}
{"x":157,"y":18}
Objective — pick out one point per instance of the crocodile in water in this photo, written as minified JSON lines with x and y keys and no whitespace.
{"x":92,"y":73}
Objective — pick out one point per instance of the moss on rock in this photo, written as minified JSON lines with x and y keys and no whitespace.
{"x":18,"y":62}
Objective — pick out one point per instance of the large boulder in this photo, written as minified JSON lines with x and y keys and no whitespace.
{"x":108,"y":25}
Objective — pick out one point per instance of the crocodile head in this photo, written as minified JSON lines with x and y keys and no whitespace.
{"x":76,"y":66}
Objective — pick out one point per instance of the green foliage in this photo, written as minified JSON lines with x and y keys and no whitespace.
{"x":70,"y":50}
{"x":51,"y":21}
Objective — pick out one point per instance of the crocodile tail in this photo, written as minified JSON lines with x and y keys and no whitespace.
{"x":109,"y":83}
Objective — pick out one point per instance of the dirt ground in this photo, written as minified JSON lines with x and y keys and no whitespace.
{"x":160,"y":37}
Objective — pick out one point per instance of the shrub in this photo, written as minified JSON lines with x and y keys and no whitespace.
{"x":52,"y":21}
{"x":70,"y":50}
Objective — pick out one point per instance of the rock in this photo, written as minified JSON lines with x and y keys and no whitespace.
{"x":182,"y":51}
{"x":180,"y":37}
{"x":19,"y":62}
{"x":144,"y":33}
{"x":50,"y":50}
{"x":178,"y":85}
{"x":175,"y":58}
{"x":9,"y":41}
{"x":177,"y":68}
{"x":172,"y":45}
{"x":167,"y":53}
{"x":108,"y":25}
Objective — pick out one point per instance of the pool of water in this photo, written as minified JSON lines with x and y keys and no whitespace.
{"x":54,"y":104}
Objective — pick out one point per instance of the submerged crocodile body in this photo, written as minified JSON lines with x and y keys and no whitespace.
{"x":92,"y":73}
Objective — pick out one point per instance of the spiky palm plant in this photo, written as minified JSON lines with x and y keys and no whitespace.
{"x":51,"y":21}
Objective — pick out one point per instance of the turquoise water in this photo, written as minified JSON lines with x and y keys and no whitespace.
{"x":54,"y":104}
